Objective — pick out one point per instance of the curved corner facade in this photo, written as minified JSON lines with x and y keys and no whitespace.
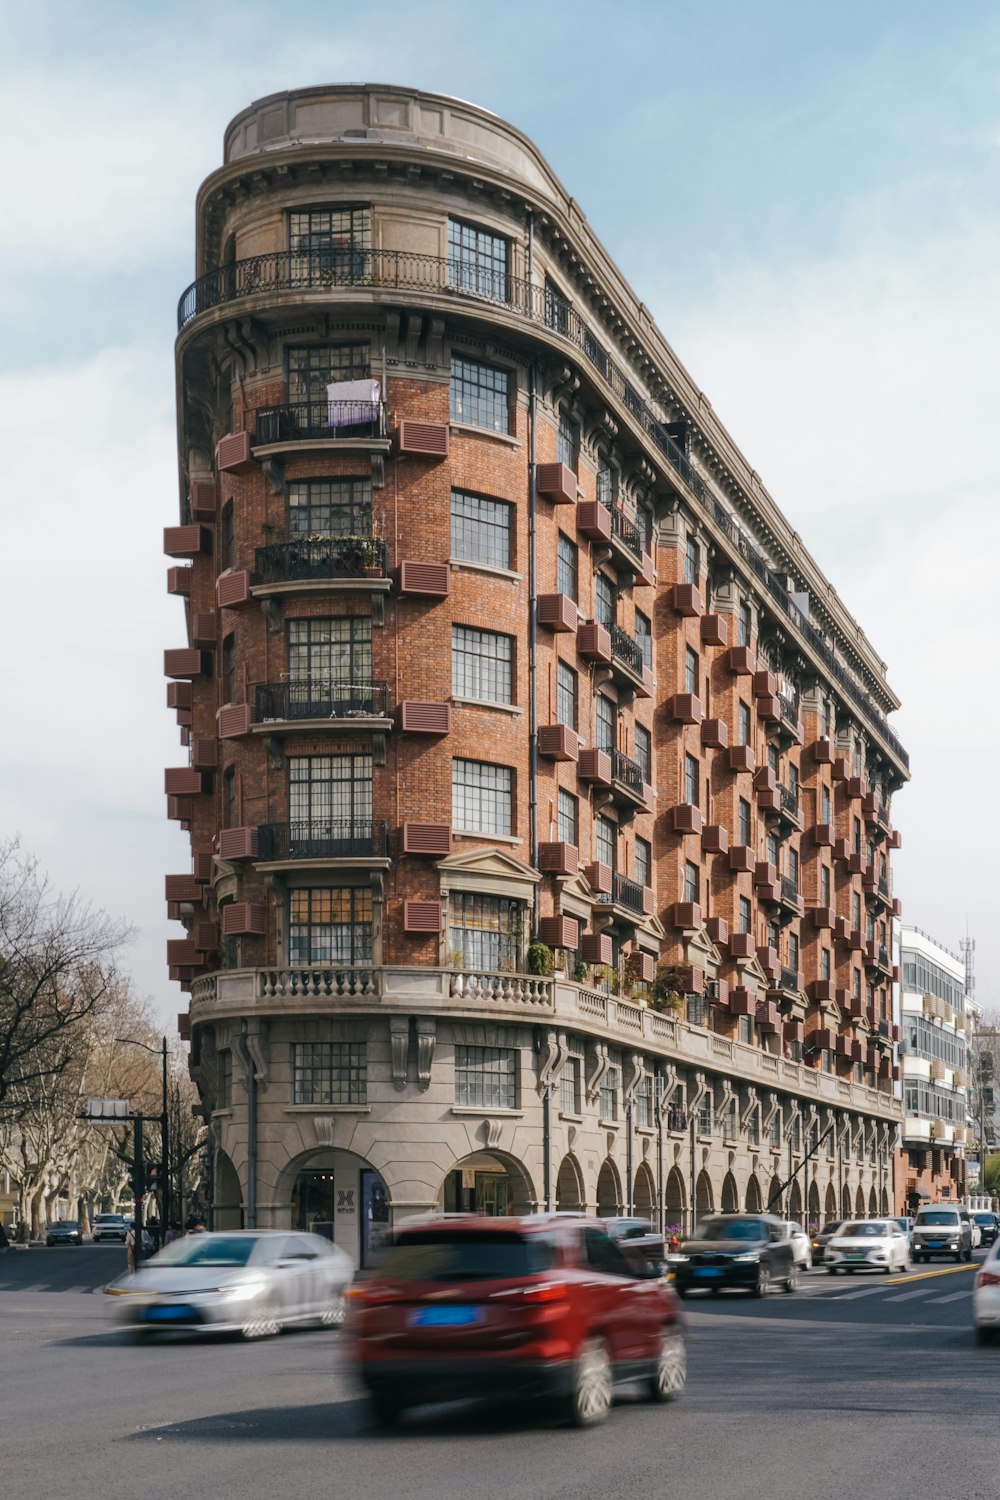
{"x":538,"y":785}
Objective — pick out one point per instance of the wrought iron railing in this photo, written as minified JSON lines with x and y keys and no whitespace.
{"x":789,"y":889}
{"x":626,"y":650}
{"x":627,"y":772}
{"x":319,"y":419}
{"x":788,"y":799}
{"x":625,"y":529}
{"x":320,"y":699}
{"x":405,"y":270}
{"x":627,"y":893}
{"x":788,"y":979}
{"x":323,"y":838}
{"x":299,"y":561}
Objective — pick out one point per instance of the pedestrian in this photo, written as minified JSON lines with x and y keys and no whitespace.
{"x":4,"y":1241}
{"x":196,"y":1225}
{"x":173,"y":1233}
{"x":130,"y":1249}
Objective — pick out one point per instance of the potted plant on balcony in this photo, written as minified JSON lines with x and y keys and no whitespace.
{"x":539,"y":959}
{"x":666,"y":993}
{"x":581,"y":971}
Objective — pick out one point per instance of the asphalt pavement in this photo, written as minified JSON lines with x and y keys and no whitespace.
{"x":865,"y":1385}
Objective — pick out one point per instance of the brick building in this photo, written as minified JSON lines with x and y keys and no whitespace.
{"x":495,"y":639}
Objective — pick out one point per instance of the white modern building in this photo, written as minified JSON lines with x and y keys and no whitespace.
{"x":936,"y":1021}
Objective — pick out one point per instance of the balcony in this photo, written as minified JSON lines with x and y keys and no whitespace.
{"x":348,"y":841}
{"x":789,"y":725}
{"x":788,"y":806}
{"x":628,"y":785}
{"x":789,"y":980}
{"x":629,"y":899}
{"x":343,"y":423}
{"x":327,"y":707}
{"x":351,"y":562}
{"x":625,"y":537}
{"x":790,"y":897}
{"x":627,"y":663}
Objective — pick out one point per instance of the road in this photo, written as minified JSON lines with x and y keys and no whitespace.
{"x":853,"y":1386}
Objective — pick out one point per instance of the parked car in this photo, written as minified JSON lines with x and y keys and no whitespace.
{"x":64,"y":1232}
{"x":906,"y":1225}
{"x":820,"y":1240}
{"x":109,"y":1227}
{"x":989,"y":1226}
{"x":748,"y":1251}
{"x":977,"y":1233}
{"x":513,"y":1307}
{"x":254,"y":1282}
{"x":638,"y":1240}
{"x":867,"y":1245}
{"x":801,"y":1245}
{"x":942,"y":1229}
{"x":986,"y":1296}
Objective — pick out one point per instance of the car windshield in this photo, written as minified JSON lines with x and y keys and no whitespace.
{"x":864,"y":1231}
{"x":65,"y":1224}
{"x":207,"y":1250}
{"x":463,"y":1255}
{"x":985,"y":1218}
{"x":937,"y":1216}
{"x":730,"y":1229}
{"x":832,"y":1227}
{"x":109,"y":1219}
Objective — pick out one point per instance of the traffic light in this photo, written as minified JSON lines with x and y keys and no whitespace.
{"x":986,"y":1066}
{"x":154,"y":1176}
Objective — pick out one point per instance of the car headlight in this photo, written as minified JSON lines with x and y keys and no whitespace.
{"x":749,"y":1258}
{"x":241,"y":1290}
{"x":676,"y":1259}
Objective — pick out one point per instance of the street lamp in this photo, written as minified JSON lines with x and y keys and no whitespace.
{"x":160,"y":1051}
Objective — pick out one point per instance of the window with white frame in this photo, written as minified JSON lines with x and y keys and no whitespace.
{"x":642,"y":1107}
{"x":566,"y":441}
{"x":743,"y":724}
{"x":824,"y":804}
{"x":566,"y":695}
{"x":605,"y":484}
{"x":329,"y":1073}
{"x":480,"y":530}
{"x":480,"y":395}
{"x":604,"y":601}
{"x":608,"y":1098}
{"x":605,"y":723}
{"x":477,"y":261}
{"x":692,"y":561}
{"x":605,"y":840}
{"x":692,"y":881}
{"x":744,"y":625}
{"x":485,"y":930}
{"x":570,"y":1081}
{"x":481,"y":664}
{"x":568,"y":818}
{"x":643,"y":862}
{"x":744,"y":919}
{"x":567,"y":568}
{"x":824,"y":885}
{"x":644,"y":637}
{"x":744,"y":823}
{"x":485,"y":1077}
{"x":482,"y":797}
{"x":691,"y":780}
{"x":690,"y":670}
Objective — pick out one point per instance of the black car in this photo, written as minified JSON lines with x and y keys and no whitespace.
{"x":63,"y":1232}
{"x":748,"y":1251}
{"x":989,"y":1226}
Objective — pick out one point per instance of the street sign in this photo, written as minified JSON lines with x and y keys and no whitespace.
{"x":107,"y":1112}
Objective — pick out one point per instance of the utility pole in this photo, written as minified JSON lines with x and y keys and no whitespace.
{"x":138,"y":1187}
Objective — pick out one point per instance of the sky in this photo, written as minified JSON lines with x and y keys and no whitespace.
{"x":804,"y":196}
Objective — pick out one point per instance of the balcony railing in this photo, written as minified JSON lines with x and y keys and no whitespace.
{"x":319,"y":419}
{"x":789,"y":888}
{"x":788,"y":979}
{"x":627,"y":772}
{"x":320,"y":558}
{"x":627,"y":893}
{"x":788,"y":800}
{"x":317,"y":699}
{"x":396,"y":269}
{"x":626,"y":650}
{"x":625,"y":529}
{"x":323,"y":839}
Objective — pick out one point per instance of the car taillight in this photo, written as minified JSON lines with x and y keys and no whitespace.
{"x":987,"y":1278}
{"x":372,"y":1296}
{"x":544,"y":1291}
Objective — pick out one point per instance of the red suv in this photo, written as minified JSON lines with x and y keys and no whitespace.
{"x":551,"y":1306}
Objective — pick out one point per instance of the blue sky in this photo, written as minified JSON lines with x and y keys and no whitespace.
{"x":804,"y":196}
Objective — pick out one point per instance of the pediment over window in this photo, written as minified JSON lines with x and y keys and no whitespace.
{"x":703,"y":953}
{"x":490,"y":872}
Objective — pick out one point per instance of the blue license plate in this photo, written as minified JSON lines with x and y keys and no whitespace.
{"x":855,"y":1255}
{"x":934,"y":1244}
{"x":446,"y":1317}
{"x":707,"y":1271}
{"x":169,"y":1313}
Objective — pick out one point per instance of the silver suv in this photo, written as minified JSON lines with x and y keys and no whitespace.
{"x":942,"y":1229}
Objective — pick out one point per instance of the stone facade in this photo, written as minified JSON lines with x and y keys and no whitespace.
{"x":515,"y":647}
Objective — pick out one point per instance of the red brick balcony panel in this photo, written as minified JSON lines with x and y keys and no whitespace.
{"x":741,"y":945}
{"x":232,"y":589}
{"x":742,"y":859}
{"x":717,"y":929}
{"x":594,"y":766}
{"x":593,"y":642}
{"x":686,"y":818}
{"x":179,"y":581}
{"x":233,"y":455}
{"x":234,"y":720}
{"x":686,"y":915}
{"x":422,"y":439}
{"x":237,"y":843}
{"x":741,"y":661}
{"x":427,"y":838}
{"x":244,"y":919}
{"x":600,"y":877}
{"x":596,"y":948}
{"x":685,"y":708}
{"x":422,"y":916}
{"x":424,"y":580}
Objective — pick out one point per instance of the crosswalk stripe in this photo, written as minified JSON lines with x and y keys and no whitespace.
{"x":39,"y":1286}
{"x":907,"y":1296}
{"x":952,"y":1296}
{"x":76,"y":1288}
{"x":865,"y":1291}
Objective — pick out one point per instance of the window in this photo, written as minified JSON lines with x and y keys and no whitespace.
{"x":485,"y":930}
{"x":744,"y":625}
{"x":567,"y":568}
{"x":857,"y":982}
{"x":605,"y":484}
{"x":481,"y":664}
{"x":224,"y":1079}
{"x":330,"y":799}
{"x":227,"y":547}
{"x":330,"y":507}
{"x":330,"y":925}
{"x":793,"y":787}
{"x":824,"y":885}
{"x":692,"y":561}
{"x":691,"y":780}
{"x":481,"y":797}
{"x":856,"y":912}
{"x":772,"y":758}
{"x":643,"y":1106}
{"x":558,"y":311}
{"x":315,"y":366}
{"x":480,"y":395}
{"x":604,"y":601}
{"x":743,"y":724}
{"x":568,"y":818}
{"x":608,"y":1100}
{"x":773,"y":850}
{"x":824,"y":963}
{"x":793,"y":867}
{"x":566,"y":441}
{"x":824,"y":803}
{"x":566,"y":695}
{"x":857,"y":835}
{"x":690,"y":670}
{"x":480,"y":530}
{"x":569,"y":1086}
{"x":644,"y":637}
{"x":644,"y":752}
{"x":335,"y":238}
{"x":643,"y":862}
{"x":605,"y":840}
{"x":477,"y":261}
{"x":692,"y":881}
{"x":745,"y":914}
{"x":329,"y":1073}
{"x":486,"y":1077}
{"x":793,"y":951}
{"x":230,"y":809}
{"x":323,"y":652}
{"x":744,"y":823}
{"x":605,"y":715}
{"x":228,"y":673}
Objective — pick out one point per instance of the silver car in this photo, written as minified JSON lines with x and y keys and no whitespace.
{"x":253,"y":1282}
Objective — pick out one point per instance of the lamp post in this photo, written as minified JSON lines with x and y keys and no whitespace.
{"x":161,"y":1052}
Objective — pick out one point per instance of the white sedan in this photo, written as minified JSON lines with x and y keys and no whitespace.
{"x":986,"y":1296}
{"x":868,"y":1245}
{"x":801,"y":1245}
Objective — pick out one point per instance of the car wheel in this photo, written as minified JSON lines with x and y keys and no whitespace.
{"x":670,"y":1376}
{"x":958,"y":1257}
{"x":681,"y":1291}
{"x":831,"y":1270}
{"x":333,"y":1315}
{"x":792,"y":1280}
{"x":590,"y":1398}
{"x":387,"y":1407}
{"x":984,"y":1335}
{"x":264,"y":1323}
{"x":968,"y":1254}
{"x":760,"y":1289}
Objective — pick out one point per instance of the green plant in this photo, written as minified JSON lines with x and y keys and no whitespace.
{"x":581,"y":971}
{"x":667,"y":989}
{"x":539,"y":959}
{"x":456,"y":958}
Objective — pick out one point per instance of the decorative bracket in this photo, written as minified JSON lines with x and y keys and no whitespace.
{"x":274,"y":473}
{"x":632,"y":1074}
{"x":399,"y":1048}
{"x":426,"y":1038}
{"x":793,"y":1115}
{"x":697,"y":1094}
{"x":602,"y":1063}
{"x":772,"y":1109}
{"x":751,"y":1104}
{"x":272,"y":613}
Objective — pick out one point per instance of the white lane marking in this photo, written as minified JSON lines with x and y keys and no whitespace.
{"x":865,"y":1291}
{"x":76,"y":1288}
{"x":39,"y":1286}
{"x":953,"y":1296}
{"x":908,"y":1296}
